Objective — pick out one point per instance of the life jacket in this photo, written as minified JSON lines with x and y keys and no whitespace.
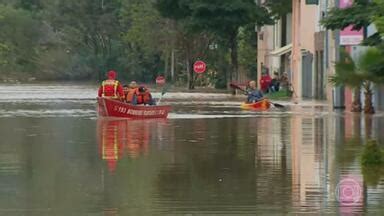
{"x":110,"y":89}
{"x":131,"y":93}
{"x":143,"y":97}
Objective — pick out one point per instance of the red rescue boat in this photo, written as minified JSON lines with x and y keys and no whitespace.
{"x":113,"y":108}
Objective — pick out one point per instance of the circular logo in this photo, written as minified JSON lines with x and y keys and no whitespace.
{"x":199,"y":67}
{"x":348,"y":191}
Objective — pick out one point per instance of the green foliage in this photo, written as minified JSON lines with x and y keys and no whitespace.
{"x":19,"y":37}
{"x":72,"y":39}
{"x":223,"y":19}
{"x":372,"y":174}
{"x":142,"y":21}
{"x":280,"y":95}
{"x":346,"y":72}
{"x":371,"y":64}
{"x":3,"y":54}
{"x":372,"y":154}
{"x":359,"y":15}
{"x":29,"y":4}
{"x":174,"y":9}
{"x":378,"y":17}
{"x":349,"y":151}
{"x":368,"y":69}
{"x":279,"y":8}
{"x":248,"y":50}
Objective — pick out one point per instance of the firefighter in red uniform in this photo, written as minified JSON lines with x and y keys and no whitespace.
{"x":111,"y":88}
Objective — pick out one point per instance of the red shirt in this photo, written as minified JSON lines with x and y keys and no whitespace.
{"x":265,"y":81}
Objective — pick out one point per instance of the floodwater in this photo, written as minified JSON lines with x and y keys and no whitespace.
{"x":208,"y":158}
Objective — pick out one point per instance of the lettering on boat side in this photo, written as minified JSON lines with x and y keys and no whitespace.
{"x":120,"y":109}
{"x":125,"y":110}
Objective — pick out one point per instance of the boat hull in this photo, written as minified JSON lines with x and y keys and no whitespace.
{"x":260,"y":105}
{"x":113,"y":108}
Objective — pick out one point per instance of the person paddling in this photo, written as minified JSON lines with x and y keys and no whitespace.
{"x":253,"y":93}
{"x":111,"y":88}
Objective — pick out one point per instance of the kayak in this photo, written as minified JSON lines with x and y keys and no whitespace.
{"x":260,"y":105}
{"x":113,"y":108}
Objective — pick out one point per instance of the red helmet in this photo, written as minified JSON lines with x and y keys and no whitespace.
{"x":111,"y":74}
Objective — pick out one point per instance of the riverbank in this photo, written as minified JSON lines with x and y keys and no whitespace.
{"x":95,"y":84}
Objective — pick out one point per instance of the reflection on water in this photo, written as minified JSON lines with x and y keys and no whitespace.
{"x":219,"y":160}
{"x":118,"y":138}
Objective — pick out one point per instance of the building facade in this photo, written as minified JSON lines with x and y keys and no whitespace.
{"x":299,"y":45}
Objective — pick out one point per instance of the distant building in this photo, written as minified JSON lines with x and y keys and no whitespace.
{"x":299,"y":45}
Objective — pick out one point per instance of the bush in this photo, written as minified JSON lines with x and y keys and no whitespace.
{"x":372,"y":154}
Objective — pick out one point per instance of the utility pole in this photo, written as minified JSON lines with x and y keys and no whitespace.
{"x":338,"y":92}
{"x":296,"y":70}
{"x":173,"y":65}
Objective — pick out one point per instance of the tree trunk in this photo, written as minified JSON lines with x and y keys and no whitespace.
{"x":368,"y":106}
{"x":356,"y":130}
{"x":191,"y":84}
{"x":233,"y":74}
{"x":189,"y":65}
{"x":191,"y":80}
{"x":173,"y":66}
{"x":356,"y":104}
{"x":166,"y":64}
{"x":368,"y":126}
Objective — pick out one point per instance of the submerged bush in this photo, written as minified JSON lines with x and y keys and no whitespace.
{"x":372,"y":161}
{"x":372,"y":174}
{"x":372,"y":154}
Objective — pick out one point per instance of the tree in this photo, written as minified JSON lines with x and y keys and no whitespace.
{"x":346,"y":74}
{"x":90,"y":30}
{"x":378,"y":17}
{"x":148,"y":36}
{"x":363,"y":74}
{"x":279,"y":8}
{"x":222,"y":18}
{"x":360,"y":15}
{"x":19,"y":36}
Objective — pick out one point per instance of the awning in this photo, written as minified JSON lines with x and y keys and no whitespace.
{"x":282,"y":50}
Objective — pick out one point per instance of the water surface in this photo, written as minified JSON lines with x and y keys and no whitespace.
{"x":208,"y":158}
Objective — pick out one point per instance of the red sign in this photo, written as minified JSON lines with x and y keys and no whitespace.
{"x":160,"y":80}
{"x":199,"y":67}
{"x":347,"y":35}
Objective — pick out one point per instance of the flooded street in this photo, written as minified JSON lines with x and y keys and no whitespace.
{"x":208,"y":158}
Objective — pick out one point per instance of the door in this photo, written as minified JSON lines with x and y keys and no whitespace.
{"x":307,"y":60}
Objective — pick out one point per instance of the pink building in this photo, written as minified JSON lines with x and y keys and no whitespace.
{"x":298,"y":45}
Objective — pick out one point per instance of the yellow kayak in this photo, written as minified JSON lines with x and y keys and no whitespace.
{"x":259,"y":105}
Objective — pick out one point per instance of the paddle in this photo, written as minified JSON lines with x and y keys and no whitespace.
{"x":241,"y":89}
{"x":163,"y":91}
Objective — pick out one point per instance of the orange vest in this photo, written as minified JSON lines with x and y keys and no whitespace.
{"x":132,"y":92}
{"x":143,"y":98}
{"x":110,"y":88}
